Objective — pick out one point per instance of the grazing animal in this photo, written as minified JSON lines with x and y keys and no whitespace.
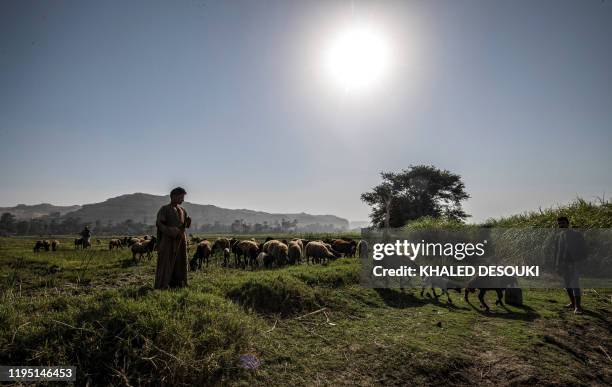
{"x":54,"y":245}
{"x":266,"y":259}
{"x":499,"y":284}
{"x":317,"y":252}
{"x":443,"y":283}
{"x":226,"y":256}
{"x":331,"y":249}
{"x":300,"y":243}
{"x":295,"y":252}
{"x":220,"y":244}
{"x":347,"y":248}
{"x":38,"y":245}
{"x":203,"y":253}
{"x":249,"y":250}
{"x":82,"y":243}
{"x":278,"y":250}
{"x":237,"y":252}
{"x":46,"y":245}
{"x":144,"y":247}
{"x":115,"y":244}
{"x":132,"y":241}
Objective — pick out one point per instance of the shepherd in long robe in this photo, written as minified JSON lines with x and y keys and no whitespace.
{"x":172,"y":220}
{"x":570,"y":250}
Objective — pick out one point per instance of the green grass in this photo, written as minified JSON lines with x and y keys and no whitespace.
{"x":98,"y":311}
{"x":582,"y":214}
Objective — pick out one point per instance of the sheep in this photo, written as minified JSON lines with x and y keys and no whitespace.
{"x":38,"y":245}
{"x":220,"y":244}
{"x":115,"y":244}
{"x":83,"y":243}
{"x":280,"y":254}
{"x":267,"y":246}
{"x":499,"y":284}
{"x":203,"y":253}
{"x":300,"y":243}
{"x":346,"y":247}
{"x":295,"y":252}
{"x":237,"y":252}
{"x":278,"y":251}
{"x":249,"y":249}
{"x":440,"y":282}
{"x":318,"y":251}
{"x":144,"y":247}
{"x":54,"y":245}
{"x":226,"y":256}
{"x":331,"y":249}
{"x":266,"y":259}
{"x":132,"y":241}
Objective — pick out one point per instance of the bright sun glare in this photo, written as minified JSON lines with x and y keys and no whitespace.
{"x":357,"y":58}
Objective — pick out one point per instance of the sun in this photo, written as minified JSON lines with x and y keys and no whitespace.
{"x":357,"y":58}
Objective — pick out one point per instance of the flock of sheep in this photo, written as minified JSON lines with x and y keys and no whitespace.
{"x":248,"y":252}
{"x":272,"y":252}
{"x":140,"y":246}
{"x":46,"y":245}
{"x":278,"y":253}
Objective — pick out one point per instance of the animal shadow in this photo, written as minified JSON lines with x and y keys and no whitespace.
{"x":527,"y":313}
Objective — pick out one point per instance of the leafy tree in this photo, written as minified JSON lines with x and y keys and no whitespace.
{"x":421,"y":190}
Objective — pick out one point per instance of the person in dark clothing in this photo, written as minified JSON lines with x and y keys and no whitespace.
{"x":569,"y":251}
{"x":172,"y":220}
{"x":86,"y":233}
{"x":85,"y":237}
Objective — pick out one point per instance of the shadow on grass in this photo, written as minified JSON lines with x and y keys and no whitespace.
{"x":398,"y":298}
{"x":127,"y":262}
{"x":527,"y":313}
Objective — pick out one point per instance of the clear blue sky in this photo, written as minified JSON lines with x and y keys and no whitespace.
{"x":226,"y":98}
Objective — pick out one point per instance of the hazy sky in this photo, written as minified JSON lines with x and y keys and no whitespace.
{"x":228,"y":99}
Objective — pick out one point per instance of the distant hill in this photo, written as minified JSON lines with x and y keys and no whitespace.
{"x":141,"y":207}
{"x":24,"y":212}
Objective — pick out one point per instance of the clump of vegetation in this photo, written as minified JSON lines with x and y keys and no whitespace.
{"x":279,"y":294}
{"x":431,"y":223}
{"x":582,"y":214}
{"x":174,"y":337}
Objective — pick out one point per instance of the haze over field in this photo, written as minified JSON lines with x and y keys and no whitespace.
{"x":246,"y":105}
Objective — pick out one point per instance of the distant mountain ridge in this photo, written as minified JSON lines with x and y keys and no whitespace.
{"x":142,"y":207}
{"x":25,"y":212}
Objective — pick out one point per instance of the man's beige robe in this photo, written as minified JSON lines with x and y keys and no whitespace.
{"x":172,"y":247}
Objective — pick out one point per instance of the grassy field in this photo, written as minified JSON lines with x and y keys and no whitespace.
{"x":97,"y":310}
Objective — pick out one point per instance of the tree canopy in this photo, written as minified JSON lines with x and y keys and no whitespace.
{"x":421,"y":190}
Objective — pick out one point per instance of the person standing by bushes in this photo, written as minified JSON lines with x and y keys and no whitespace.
{"x":570,"y":249}
{"x":172,"y":220}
